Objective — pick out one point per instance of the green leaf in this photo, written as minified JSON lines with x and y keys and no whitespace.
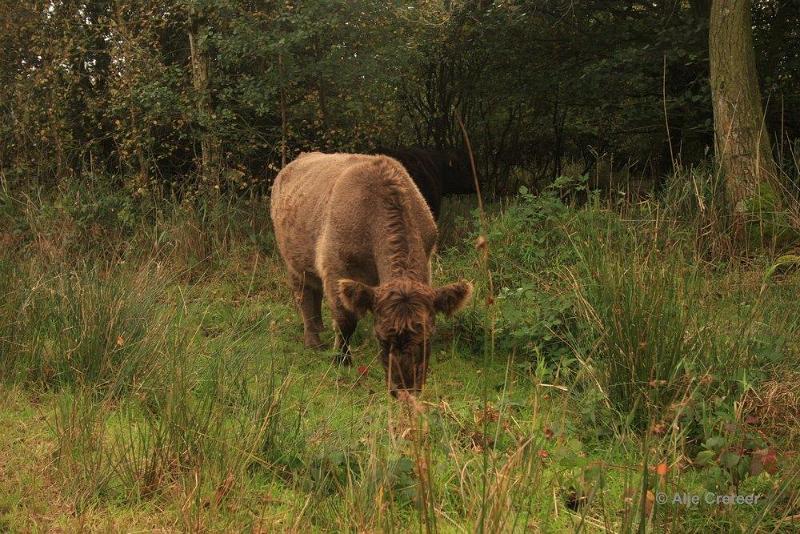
{"x":783,"y":261}
{"x":715,"y":443}
{"x":730,"y":459}
{"x":705,"y":457}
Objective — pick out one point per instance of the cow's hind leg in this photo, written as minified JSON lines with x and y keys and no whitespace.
{"x":308,"y":292}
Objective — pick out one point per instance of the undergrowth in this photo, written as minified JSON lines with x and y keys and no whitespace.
{"x":155,"y":346}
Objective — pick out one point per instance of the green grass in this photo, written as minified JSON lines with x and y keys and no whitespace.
{"x":157,"y":380}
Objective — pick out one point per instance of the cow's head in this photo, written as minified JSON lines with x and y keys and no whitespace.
{"x":405,"y":312}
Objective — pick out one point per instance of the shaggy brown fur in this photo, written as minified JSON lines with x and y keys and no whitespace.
{"x":437,"y":173}
{"x":356,"y":229}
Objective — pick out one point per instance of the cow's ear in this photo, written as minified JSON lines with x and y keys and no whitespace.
{"x":452,"y":297}
{"x":356,"y":297}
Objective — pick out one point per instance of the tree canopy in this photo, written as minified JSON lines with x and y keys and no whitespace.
{"x":108,"y":87}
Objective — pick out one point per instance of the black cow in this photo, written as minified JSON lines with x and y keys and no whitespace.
{"x":437,"y":173}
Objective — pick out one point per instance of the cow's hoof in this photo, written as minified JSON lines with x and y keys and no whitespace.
{"x":343,"y":359}
{"x":313,"y":343}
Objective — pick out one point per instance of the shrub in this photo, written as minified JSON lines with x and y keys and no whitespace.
{"x":533,"y":311}
{"x":524,"y":237}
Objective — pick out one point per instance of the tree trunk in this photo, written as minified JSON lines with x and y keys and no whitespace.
{"x":143,"y":176}
{"x":284,"y":124}
{"x":209,"y":144}
{"x":742,"y":146}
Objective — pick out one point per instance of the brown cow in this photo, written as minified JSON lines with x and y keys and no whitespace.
{"x":356,"y":228}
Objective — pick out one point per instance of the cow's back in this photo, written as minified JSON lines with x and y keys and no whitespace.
{"x":327,"y":211}
{"x":299,"y":198}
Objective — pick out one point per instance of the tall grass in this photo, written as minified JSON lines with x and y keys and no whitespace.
{"x":81,"y":327}
{"x":214,"y":430}
{"x":70,"y":314}
{"x":172,"y":416}
{"x":141,"y":405}
{"x":204,"y":236}
{"x":137,"y":449}
{"x":645,"y":313}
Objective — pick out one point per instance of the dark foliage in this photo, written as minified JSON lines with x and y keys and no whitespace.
{"x":544,"y":88}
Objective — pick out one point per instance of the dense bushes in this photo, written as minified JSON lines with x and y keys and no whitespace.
{"x":118,"y":91}
{"x":625,"y":302}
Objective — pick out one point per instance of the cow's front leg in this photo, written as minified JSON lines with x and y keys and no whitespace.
{"x":345,"y":323}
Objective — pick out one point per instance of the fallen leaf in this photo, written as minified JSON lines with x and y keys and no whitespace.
{"x":764,"y":460}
